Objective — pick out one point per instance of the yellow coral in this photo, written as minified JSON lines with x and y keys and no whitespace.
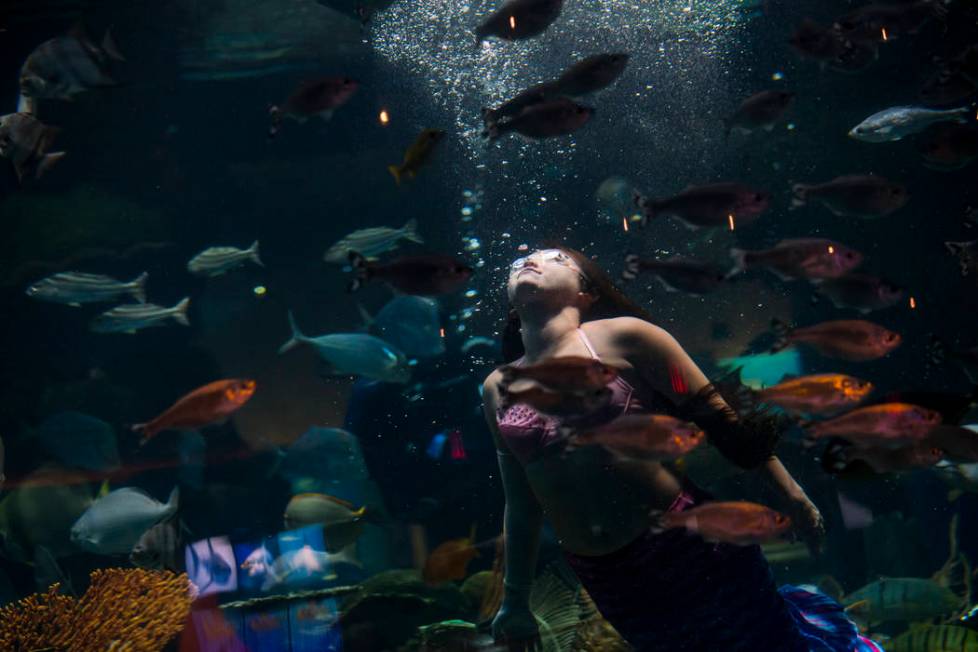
{"x":123,"y":610}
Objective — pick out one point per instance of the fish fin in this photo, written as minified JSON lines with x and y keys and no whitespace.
{"x":47,"y":162}
{"x":740,"y":261}
{"x":297,"y":336}
{"x":26,"y":105}
{"x":855,"y":516}
{"x":831,"y":587}
{"x":47,"y":571}
{"x":368,"y":321}
{"x":857,"y":608}
{"x":180,"y":311}
{"x":395,"y":171}
{"x":800,"y":195}
{"x":109,"y":46}
{"x":631,"y":267}
{"x":103,"y":490}
{"x":139,"y":287}
{"x":410,"y":231}
{"x":362,"y":269}
{"x":253,"y":250}
{"x":172,"y":504}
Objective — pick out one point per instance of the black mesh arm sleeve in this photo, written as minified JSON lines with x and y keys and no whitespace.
{"x":748,"y":441}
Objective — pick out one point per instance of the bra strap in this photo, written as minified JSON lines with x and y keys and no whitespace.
{"x":587,"y":343}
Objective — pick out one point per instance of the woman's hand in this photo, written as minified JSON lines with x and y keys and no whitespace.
{"x":807,"y":522}
{"x":516,"y":629}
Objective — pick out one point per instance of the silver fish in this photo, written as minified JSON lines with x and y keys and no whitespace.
{"x":76,"y":288}
{"x":133,"y":317}
{"x":26,"y":140}
{"x":372,"y":242}
{"x":115,"y":522}
{"x":899,"y":121}
{"x":160,"y":547}
{"x":217,"y":260}
{"x":354,"y":354}
{"x":67,"y":65}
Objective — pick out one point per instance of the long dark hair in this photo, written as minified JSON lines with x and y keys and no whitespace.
{"x":609,"y":302}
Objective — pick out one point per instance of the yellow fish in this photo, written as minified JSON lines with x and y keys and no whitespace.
{"x":417,"y":154}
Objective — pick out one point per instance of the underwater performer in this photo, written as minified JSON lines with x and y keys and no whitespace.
{"x":662,"y":590}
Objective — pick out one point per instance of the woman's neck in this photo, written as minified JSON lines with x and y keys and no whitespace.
{"x":544,"y":335}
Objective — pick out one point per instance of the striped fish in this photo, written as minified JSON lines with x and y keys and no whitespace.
{"x":67,"y":65}
{"x":26,"y":140}
{"x":217,"y":260}
{"x":372,"y":242}
{"x":936,"y":638}
{"x":136,"y":316}
{"x":76,"y":288}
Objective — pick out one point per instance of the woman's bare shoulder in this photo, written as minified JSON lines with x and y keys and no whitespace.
{"x":627,"y":329}
{"x":490,"y":385}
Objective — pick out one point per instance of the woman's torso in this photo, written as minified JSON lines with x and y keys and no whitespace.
{"x":596,"y":500}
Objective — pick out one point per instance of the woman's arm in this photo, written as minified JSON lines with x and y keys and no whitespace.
{"x":747,"y":441}
{"x":522,"y":518}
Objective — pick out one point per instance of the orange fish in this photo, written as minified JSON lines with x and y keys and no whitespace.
{"x":450,"y":560}
{"x":817,"y":394}
{"x":564,"y":374}
{"x":741,"y":523}
{"x":557,"y":404}
{"x":892,"y":425}
{"x":649,"y":436}
{"x":203,"y":406}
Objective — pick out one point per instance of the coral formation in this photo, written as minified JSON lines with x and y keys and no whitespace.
{"x":124,"y":610}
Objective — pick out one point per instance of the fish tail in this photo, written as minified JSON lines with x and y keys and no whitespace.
{"x":410,"y":231}
{"x":47,"y":162}
{"x":362,"y":269}
{"x":109,"y":46}
{"x":963,"y":114}
{"x":800,"y":192}
{"x":631,"y":267}
{"x":645,"y":205}
{"x":297,"y":336}
{"x":180,"y":311}
{"x":253,"y":250}
{"x":139,"y":287}
{"x":395,"y":171}
{"x":173,"y":503}
{"x":740,"y":261}
{"x":781,"y":332}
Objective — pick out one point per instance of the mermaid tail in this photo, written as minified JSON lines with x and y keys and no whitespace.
{"x":823,"y":622}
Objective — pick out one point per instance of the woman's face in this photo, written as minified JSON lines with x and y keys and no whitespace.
{"x":549,"y":273}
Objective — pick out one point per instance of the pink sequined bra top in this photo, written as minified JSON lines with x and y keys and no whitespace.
{"x":526,"y":431}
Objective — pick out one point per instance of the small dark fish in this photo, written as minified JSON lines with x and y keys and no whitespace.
{"x":947,"y":87}
{"x":862,"y":292}
{"x":709,"y":205}
{"x":811,"y":258}
{"x":519,"y":19}
{"x":532,"y":95}
{"x":563,"y":374}
{"x":557,"y":117}
{"x":426,"y":275}
{"x":856,"y":195}
{"x":417,"y":154}
{"x":966,"y":253}
{"x":855,"y":340}
{"x":315,"y":97}
{"x":133,"y":317}
{"x":677,"y":274}
{"x":827,"y":46}
{"x":948,"y":146}
{"x":25,"y":140}
{"x":879,"y":23}
{"x":76,"y":288}
{"x":759,"y":111}
{"x":842,"y":458}
{"x":586,"y":76}
{"x":894,"y":123}
{"x":67,"y":65}
{"x":956,"y":443}
{"x":592,"y":74}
